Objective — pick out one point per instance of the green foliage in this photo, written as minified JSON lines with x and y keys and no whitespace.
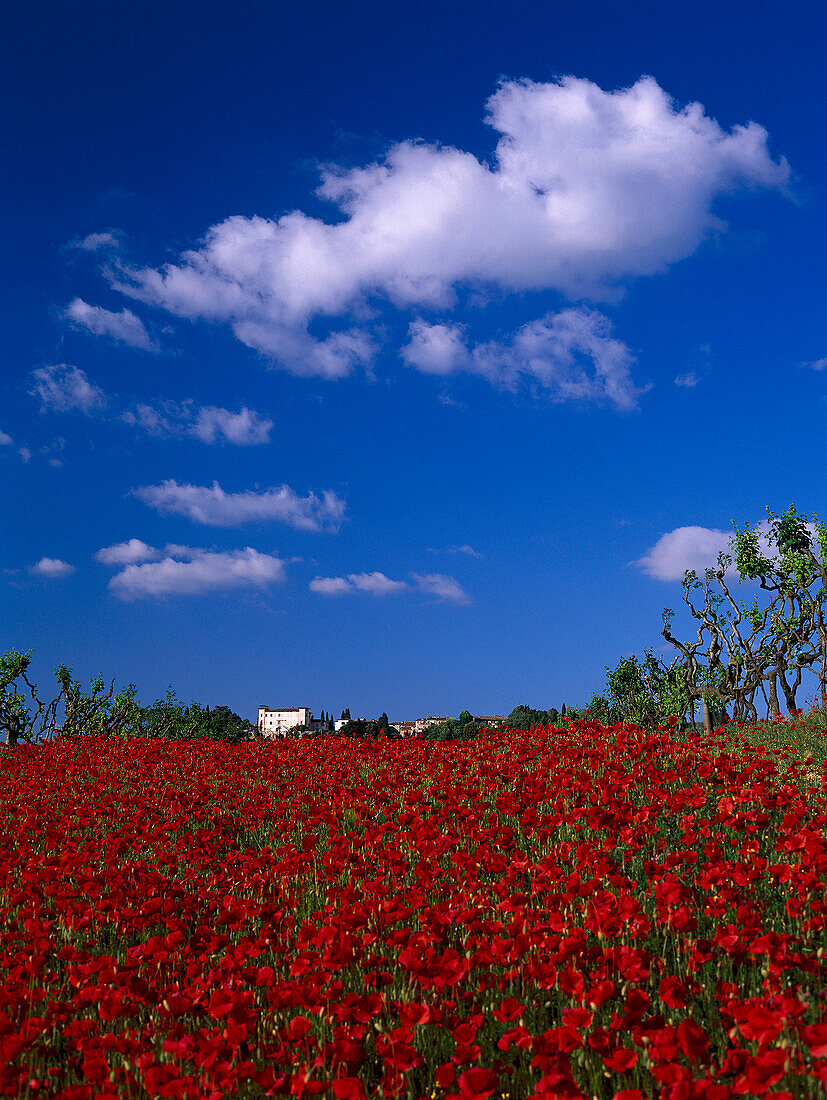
{"x":645,"y":693}
{"x":370,"y":728}
{"x":24,"y":717}
{"x":601,"y":710}
{"x":16,"y":721}
{"x":465,"y":717}
{"x":171,"y":718}
{"x":523,"y":717}
{"x":451,"y":730}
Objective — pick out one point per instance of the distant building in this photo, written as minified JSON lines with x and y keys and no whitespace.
{"x":405,"y":728}
{"x":275,"y":722}
{"x":410,"y":729}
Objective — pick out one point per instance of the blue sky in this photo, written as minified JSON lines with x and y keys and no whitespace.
{"x":399,"y":361}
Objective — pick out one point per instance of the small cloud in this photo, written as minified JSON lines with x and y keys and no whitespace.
{"x":204,"y":572}
{"x":244,"y":428}
{"x":63,"y":388}
{"x":124,"y":327}
{"x":132,"y":552}
{"x":436,"y":349}
{"x":51,"y":451}
{"x":331,"y":586}
{"x":25,"y":454}
{"x":95,"y":242}
{"x":446,"y":399}
{"x":464,"y":549}
{"x":152,"y":421}
{"x":5,"y":440}
{"x":684,"y":548}
{"x":622,"y":522}
{"x":571,"y":354}
{"x":697,"y":548}
{"x":211,"y":506}
{"x":690,"y":379}
{"x":443,"y":587}
{"x":818,"y":364}
{"x":52,"y":567}
{"x":376,"y":584}
{"x":209,"y":423}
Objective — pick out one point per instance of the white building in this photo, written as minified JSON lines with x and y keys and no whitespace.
{"x":275,"y":722}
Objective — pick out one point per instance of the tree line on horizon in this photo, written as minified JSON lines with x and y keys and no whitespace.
{"x":739,"y":652}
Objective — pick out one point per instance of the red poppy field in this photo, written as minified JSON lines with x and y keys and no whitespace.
{"x":578,"y":912}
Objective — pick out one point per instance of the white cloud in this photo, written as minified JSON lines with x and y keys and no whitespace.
{"x":443,"y":587}
{"x":244,"y":428}
{"x":437,"y":348}
{"x":684,"y":548}
{"x":5,"y":440}
{"x":152,"y":421}
{"x":215,"y":508}
{"x":690,"y":379}
{"x":698,"y":548}
{"x":209,"y":423}
{"x":572,"y":354}
{"x":205,"y":572}
{"x":377,"y":584}
{"x":94,"y":242}
{"x":586,"y":188}
{"x":331,"y":586}
{"x":25,"y":453}
{"x":131,"y":552}
{"x":63,"y":388}
{"x":124,"y":326}
{"x":818,"y":364}
{"x":52,"y":567}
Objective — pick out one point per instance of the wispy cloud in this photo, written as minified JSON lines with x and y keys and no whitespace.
{"x":96,"y":242}
{"x":64,"y":388}
{"x":377,"y":584}
{"x":211,"y":506}
{"x":690,"y":379}
{"x":123,"y":327}
{"x":131,"y":552}
{"x":52,"y":568}
{"x":5,"y":440}
{"x":818,"y":364}
{"x":442,"y":587}
{"x":464,"y":549}
{"x":586,"y":188}
{"x":196,"y":572}
{"x":209,"y":423}
{"x":571,"y":354}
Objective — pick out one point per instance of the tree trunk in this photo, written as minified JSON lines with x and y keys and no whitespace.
{"x":775,"y":710}
{"x":789,"y":692}
{"x":708,"y":714}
